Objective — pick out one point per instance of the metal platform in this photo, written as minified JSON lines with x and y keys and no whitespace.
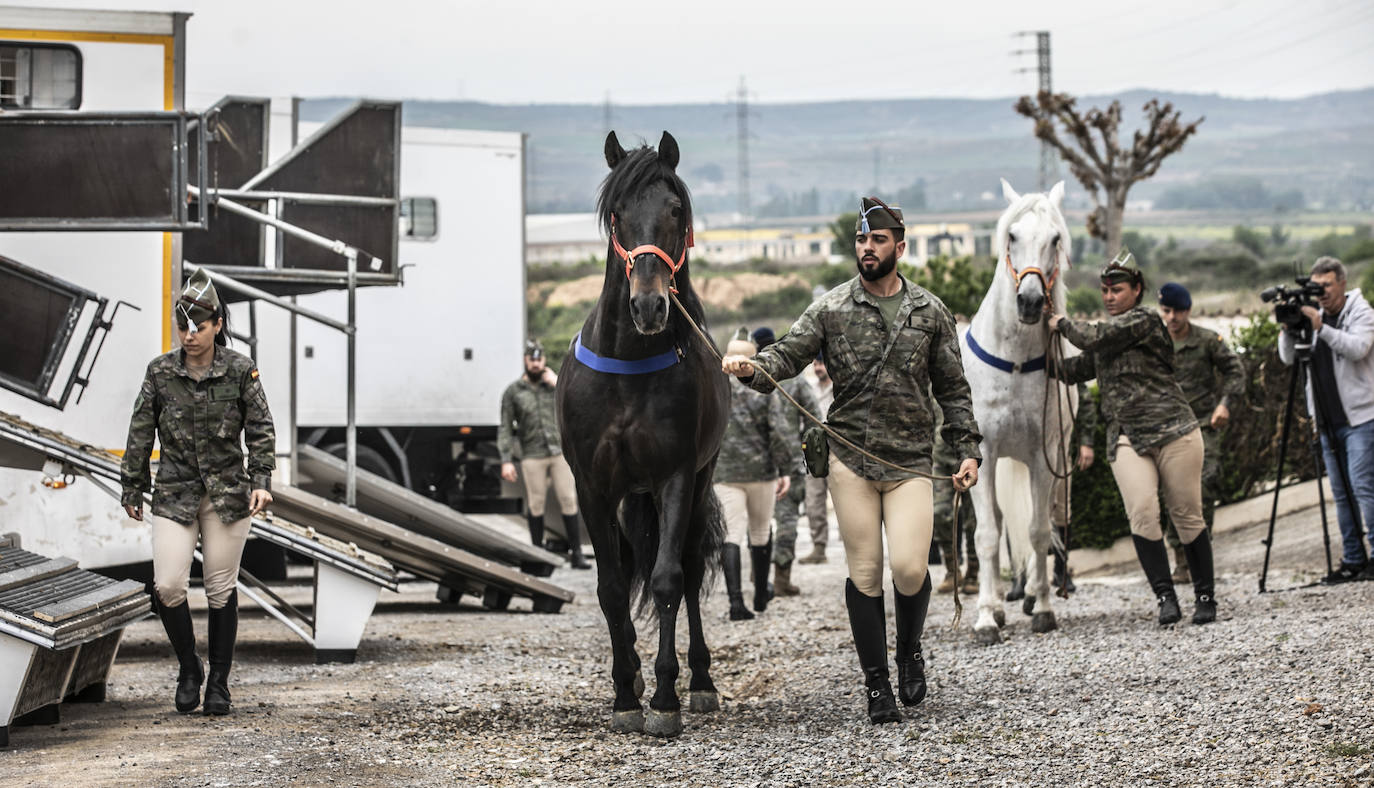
{"x":457,"y":569}
{"x":323,"y":474}
{"x":60,"y":628}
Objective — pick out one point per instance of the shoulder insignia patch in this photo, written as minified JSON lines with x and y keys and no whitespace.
{"x":253,"y":374}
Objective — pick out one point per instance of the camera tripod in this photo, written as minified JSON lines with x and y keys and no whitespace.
{"x":1302,"y":370}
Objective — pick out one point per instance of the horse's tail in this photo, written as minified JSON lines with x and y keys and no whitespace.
{"x":1014,"y":499}
{"x":712,"y":527}
{"x":639,"y":517}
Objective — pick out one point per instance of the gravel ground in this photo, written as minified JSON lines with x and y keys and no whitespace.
{"x":1279,"y":691}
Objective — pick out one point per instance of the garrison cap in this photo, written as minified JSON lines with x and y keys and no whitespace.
{"x":874,"y":214}
{"x":199,"y":300}
{"x":533,"y":349}
{"x":1175,"y":296}
{"x":763,"y":336}
{"x":1122,"y":269}
{"x":740,"y":344}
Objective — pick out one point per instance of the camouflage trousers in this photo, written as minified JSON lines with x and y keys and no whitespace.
{"x":1211,"y":472}
{"x":944,"y":517}
{"x":785,"y":512}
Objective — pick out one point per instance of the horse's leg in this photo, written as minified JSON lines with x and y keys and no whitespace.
{"x":666,"y":584}
{"x":1037,"y":576}
{"x":987,"y":538}
{"x":703,"y":696}
{"x":613,"y":591}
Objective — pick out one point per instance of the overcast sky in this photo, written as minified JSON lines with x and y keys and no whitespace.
{"x":647,"y":52}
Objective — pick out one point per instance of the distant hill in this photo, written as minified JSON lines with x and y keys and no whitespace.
{"x":956,"y":148}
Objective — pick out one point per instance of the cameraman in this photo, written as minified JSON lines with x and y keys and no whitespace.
{"x":1343,"y":370}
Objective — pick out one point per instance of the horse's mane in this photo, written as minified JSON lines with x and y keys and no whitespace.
{"x":1040,"y":205}
{"x":640,"y":168}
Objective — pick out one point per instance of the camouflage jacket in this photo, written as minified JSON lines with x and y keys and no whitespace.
{"x":1132,"y":357}
{"x":761,"y":441}
{"x":198,"y":425}
{"x":529,"y":424}
{"x":887,"y":410}
{"x":1209,"y":373}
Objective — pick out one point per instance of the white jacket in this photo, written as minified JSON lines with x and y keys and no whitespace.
{"x":1350,"y":340}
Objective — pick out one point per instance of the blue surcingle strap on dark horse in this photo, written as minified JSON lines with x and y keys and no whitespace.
{"x":1034,"y":365}
{"x":615,"y":366}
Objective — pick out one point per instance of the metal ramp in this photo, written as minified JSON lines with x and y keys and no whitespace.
{"x":459,"y":570}
{"x":324,"y":475}
{"x":348,"y":579}
{"x":60,"y":628}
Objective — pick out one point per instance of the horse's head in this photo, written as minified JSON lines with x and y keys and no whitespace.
{"x":647,"y":212}
{"x":1033,"y":245}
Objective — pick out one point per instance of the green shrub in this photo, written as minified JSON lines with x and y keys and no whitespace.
{"x":1084,"y":300}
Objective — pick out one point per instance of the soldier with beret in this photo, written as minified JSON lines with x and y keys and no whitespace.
{"x":529,"y":428}
{"x":202,"y":402}
{"x":1153,"y":441}
{"x":893,"y":353}
{"x":1212,"y":378}
{"x":758,"y":456}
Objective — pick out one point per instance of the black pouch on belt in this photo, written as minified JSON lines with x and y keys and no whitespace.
{"x":816,"y":451}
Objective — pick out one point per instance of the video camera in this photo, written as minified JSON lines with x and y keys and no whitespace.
{"x":1291,"y":300}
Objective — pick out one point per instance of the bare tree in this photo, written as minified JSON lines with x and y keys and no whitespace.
{"x":1088,"y":141}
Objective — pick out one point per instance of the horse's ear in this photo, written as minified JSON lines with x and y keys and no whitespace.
{"x":1009,"y":192}
{"x":1057,"y":195}
{"x":667,"y":151}
{"x":614,"y":153}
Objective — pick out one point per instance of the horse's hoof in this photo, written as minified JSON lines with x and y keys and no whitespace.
{"x":631,"y":721}
{"x":987,"y":636}
{"x":1044,"y":622}
{"x":663,"y":723}
{"x":1000,"y":616}
{"x":703,"y":701}
{"x":639,"y":685}
{"x":1028,"y":605}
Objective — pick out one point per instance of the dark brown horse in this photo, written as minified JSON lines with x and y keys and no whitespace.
{"x":642,"y":406}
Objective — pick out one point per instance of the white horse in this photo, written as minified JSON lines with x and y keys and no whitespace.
{"x":1004,"y":360}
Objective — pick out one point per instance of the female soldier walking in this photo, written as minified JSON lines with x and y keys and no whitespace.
{"x":198,"y":400}
{"x":1153,"y":441}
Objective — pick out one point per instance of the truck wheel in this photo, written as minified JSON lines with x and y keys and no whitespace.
{"x":369,"y":459}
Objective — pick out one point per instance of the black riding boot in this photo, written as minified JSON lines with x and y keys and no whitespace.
{"x":1061,"y":564}
{"x":1154,"y":559}
{"x":571,"y":526}
{"x":224,"y":630}
{"x":729,"y":566}
{"x":1018,"y":587}
{"x":762,"y":560}
{"x":536,"y":529}
{"x":1199,"y":554}
{"x":177,"y":622}
{"x":911,"y":622}
{"x":868,"y":623}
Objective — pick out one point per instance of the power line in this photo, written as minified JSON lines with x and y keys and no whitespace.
{"x":742,"y":132}
{"x":1048,"y":162}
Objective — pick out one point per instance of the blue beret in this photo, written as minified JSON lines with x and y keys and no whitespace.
{"x":1175,"y":296}
{"x":763,"y":337}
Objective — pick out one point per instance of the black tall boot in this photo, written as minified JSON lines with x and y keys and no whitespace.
{"x":1018,"y":587}
{"x":571,"y":526}
{"x":911,"y":622}
{"x":1154,"y":559}
{"x":762,"y":560}
{"x":177,"y":622}
{"x":1199,"y":555}
{"x":1061,"y":564}
{"x":868,"y":623}
{"x":536,"y":529}
{"x":224,"y":631}
{"x":729,"y":566}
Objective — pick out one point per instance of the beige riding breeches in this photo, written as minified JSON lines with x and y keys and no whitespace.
{"x":904,"y":509}
{"x":748,"y":510}
{"x":538,"y":474}
{"x":221,"y":545}
{"x":1176,"y":469}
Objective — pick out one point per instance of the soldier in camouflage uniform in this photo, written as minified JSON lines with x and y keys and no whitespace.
{"x":758,"y":455}
{"x":529,"y":427}
{"x":1153,"y":440}
{"x":201,"y":402}
{"x":888,"y":344}
{"x":1211,"y":377}
{"x":786,"y":510}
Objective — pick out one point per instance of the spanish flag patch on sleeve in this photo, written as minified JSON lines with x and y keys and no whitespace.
{"x":253,"y":374}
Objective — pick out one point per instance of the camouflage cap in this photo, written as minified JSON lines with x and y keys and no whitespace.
{"x":199,"y":300}
{"x":874,"y":214}
{"x":1122,"y":269}
{"x":740,"y":344}
{"x":534,"y":349}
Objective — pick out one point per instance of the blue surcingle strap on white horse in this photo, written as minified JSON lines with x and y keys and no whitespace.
{"x":615,"y":366}
{"x":1034,"y":365}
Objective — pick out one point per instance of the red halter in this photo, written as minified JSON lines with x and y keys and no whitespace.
{"x":629,"y":257}
{"x":1048,"y":284}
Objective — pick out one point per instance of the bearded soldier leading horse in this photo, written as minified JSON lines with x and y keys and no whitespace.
{"x":642,"y":409}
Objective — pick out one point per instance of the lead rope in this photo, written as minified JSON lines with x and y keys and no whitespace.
{"x":1054,"y":350}
{"x":958,"y":606}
